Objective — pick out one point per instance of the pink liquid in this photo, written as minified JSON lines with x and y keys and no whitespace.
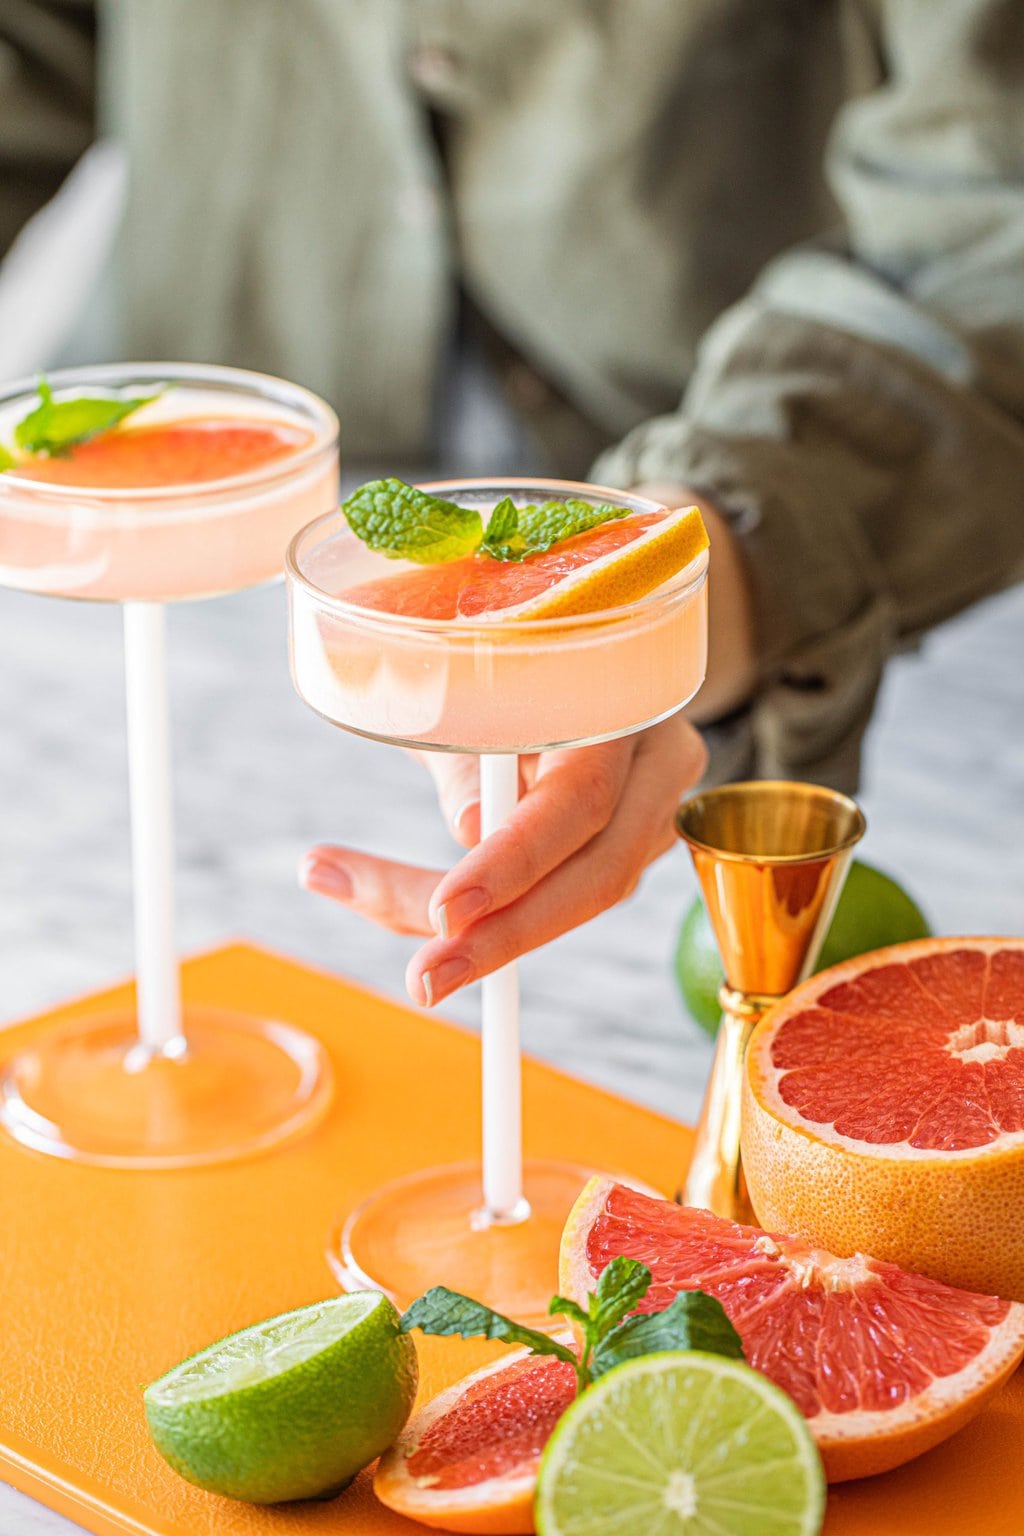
{"x":490,"y":686}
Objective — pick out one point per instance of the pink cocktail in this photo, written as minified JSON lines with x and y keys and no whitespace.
{"x":195,"y":494}
{"x":497,"y":685}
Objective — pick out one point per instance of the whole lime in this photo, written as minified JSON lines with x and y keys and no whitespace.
{"x":291,"y":1408}
{"x":873,"y":911}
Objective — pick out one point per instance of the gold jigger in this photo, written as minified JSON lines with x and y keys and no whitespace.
{"x":771,"y":858}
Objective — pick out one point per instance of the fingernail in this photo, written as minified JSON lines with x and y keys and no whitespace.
{"x":326,"y":878}
{"x":444,"y":978}
{"x":461,"y":910}
{"x":463,"y":810}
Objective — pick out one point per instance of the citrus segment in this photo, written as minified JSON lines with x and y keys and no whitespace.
{"x":169,"y":453}
{"x":291,"y":1408}
{"x":883,"y":1364}
{"x":884,"y":1108}
{"x":606,"y":567}
{"x":468,"y":1460}
{"x":682,"y":1444}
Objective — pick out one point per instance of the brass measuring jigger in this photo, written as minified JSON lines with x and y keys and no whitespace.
{"x":771,"y":857}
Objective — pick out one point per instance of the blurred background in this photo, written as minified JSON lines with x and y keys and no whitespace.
{"x":419,"y":214}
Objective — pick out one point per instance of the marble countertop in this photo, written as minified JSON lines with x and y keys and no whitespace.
{"x":259,"y":779}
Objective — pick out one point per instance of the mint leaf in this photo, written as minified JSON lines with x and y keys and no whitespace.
{"x":553,"y":521}
{"x":536,"y":529}
{"x":441,"y":1311}
{"x":404,"y":523}
{"x":501,"y":539}
{"x":622,"y":1285}
{"x":503,"y":522}
{"x":562,"y":1306}
{"x":621,"y":1288}
{"x":693,"y":1321}
{"x":7,"y":460}
{"x":57,"y":425}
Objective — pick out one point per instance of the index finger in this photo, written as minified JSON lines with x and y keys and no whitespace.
{"x":573,"y":797}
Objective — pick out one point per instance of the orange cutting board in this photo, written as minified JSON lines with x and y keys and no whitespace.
{"x":109,"y":1277}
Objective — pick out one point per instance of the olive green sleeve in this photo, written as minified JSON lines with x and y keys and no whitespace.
{"x":47,"y":101}
{"x":859,"y":415}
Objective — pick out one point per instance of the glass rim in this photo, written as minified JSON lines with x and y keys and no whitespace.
{"x":740,"y":788}
{"x":684,"y":581}
{"x":263,"y":386}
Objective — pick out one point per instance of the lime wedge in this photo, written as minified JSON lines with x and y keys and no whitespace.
{"x":681,"y":1444}
{"x":291,"y":1408}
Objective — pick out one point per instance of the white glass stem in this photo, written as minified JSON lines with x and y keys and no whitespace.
{"x":152,"y":815}
{"x":502,"y":1072}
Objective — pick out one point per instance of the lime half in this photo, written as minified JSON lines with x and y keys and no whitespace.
{"x":291,"y":1408}
{"x":681,"y":1444}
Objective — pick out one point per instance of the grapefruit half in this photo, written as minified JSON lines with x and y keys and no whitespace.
{"x":467,"y":1461}
{"x":882,"y":1363}
{"x":606,"y":567}
{"x":884,"y":1110}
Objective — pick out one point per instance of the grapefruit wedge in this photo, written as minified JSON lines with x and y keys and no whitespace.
{"x":184,"y":452}
{"x":884,"y":1109}
{"x":467,"y":1461}
{"x":613,"y":564}
{"x":882,"y":1363}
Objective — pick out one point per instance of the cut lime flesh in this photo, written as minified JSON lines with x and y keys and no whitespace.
{"x":265,"y":1350}
{"x":681,"y":1444}
{"x":291,"y":1408}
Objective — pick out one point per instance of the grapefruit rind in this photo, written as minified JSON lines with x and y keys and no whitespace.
{"x":501,"y":1506}
{"x":862,"y":1442}
{"x":623,"y":575}
{"x":947,"y":1214}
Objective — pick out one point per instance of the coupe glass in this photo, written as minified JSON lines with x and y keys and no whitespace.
{"x":496,"y":687}
{"x":162,"y":1084}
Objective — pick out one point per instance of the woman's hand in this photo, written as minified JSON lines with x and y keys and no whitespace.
{"x":589,"y":821}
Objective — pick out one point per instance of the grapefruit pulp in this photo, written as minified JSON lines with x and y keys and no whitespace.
{"x":615,"y":563}
{"x":184,"y":452}
{"x":468,"y":1460}
{"x":883,"y":1364}
{"x":884,"y":1109}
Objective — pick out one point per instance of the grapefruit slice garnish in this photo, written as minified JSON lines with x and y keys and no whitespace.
{"x":883,"y":1364}
{"x":183,"y":452}
{"x":614,"y":564}
{"x":467,"y":1461}
{"x":884,"y":1108}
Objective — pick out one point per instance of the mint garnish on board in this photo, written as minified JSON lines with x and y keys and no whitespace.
{"x":610,"y":1335}
{"x":404,"y":523}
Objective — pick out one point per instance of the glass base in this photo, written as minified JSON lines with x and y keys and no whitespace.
{"x":230,"y":1086}
{"x":431,"y":1229}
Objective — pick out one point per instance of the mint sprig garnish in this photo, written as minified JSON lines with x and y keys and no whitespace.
{"x":611,"y":1334}
{"x":55,"y":426}
{"x":7,"y":460}
{"x":693,"y":1320}
{"x":405,"y":523}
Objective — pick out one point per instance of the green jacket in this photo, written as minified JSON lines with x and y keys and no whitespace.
{"x":803,"y":219}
